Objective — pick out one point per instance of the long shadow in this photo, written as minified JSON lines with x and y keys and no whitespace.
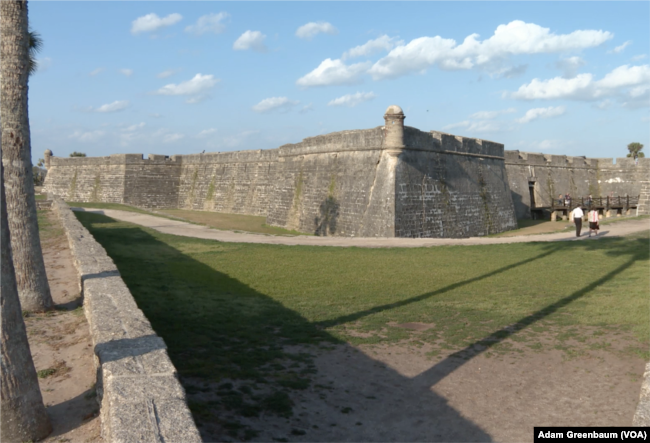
{"x":232,"y":348}
{"x":388,"y":306}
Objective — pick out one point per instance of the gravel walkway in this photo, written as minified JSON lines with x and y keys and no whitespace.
{"x":177,"y":227}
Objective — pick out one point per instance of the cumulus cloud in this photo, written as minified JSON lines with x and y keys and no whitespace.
{"x":206,"y":132}
{"x":96,"y":71}
{"x":311,"y":29}
{"x":87,"y":137}
{"x":625,"y":81}
{"x":135,"y":127}
{"x":621,"y":48}
{"x":488,"y":115}
{"x":510,"y":72}
{"x":383,"y":43}
{"x":167,"y":73}
{"x":333,"y":72}
{"x":116,"y":106}
{"x":352,"y":100}
{"x":534,"y":114}
{"x":476,"y":126}
{"x":209,"y":23}
{"x":126,"y":72}
{"x":250,"y":40}
{"x":171,"y":138}
{"x":271,"y":104}
{"x":196,"y":88}
{"x":307,"y":108}
{"x":151,"y":22}
{"x":514,"y":38}
{"x":569,"y":66}
{"x":43,"y":64}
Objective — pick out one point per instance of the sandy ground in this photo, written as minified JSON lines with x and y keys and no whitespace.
{"x":397,"y":393}
{"x":177,"y":227}
{"x":60,"y":342}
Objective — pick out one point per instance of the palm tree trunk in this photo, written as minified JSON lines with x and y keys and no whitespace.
{"x":33,"y":289}
{"x":23,"y":415}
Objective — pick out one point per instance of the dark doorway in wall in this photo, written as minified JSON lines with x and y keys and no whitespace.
{"x":531,"y":190}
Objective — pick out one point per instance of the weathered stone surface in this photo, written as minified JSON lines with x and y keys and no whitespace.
{"x":642,"y":415}
{"x":140,"y":395}
{"x":433,"y":185}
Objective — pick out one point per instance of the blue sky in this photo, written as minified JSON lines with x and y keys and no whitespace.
{"x":182,"y":77}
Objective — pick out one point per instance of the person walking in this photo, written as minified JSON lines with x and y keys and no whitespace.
{"x":577,"y":219}
{"x":593,"y":221}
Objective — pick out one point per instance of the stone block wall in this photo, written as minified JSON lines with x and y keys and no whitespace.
{"x":334,"y":184}
{"x":231,"y":182}
{"x":140,"y":396}
{"x":448,"y":186}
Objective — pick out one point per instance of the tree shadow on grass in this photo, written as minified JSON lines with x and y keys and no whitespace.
{"x":219,"y":330}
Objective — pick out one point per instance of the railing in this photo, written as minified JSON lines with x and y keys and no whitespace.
{"x":618,"y":202}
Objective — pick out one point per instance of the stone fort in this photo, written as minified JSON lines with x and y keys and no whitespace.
{"x":389,"y":181}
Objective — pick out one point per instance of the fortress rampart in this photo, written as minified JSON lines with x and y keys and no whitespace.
{"x":388,"y":181}
{"x":543,"y":177}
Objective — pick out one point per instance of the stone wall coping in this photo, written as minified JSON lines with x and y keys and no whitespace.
{"x":642,"y":415}
{"x":140,"y":396}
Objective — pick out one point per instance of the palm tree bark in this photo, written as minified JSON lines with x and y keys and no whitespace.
{"x":23,"y":415}
{"x":33,"y":289}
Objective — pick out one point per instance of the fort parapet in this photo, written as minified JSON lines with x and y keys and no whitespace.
{"x":388,"y":181}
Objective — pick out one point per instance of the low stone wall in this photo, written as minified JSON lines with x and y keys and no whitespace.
{"x":138,"y":389}
{"x":642,"y":415}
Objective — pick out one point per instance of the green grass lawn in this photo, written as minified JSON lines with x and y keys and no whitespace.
{"x":225,"y":310}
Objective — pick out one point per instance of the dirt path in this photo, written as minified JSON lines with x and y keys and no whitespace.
{"x":62,"y":349}
{"x":185,"y":229}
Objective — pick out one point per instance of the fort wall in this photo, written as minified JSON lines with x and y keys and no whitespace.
{"x":392,"y":180}
{"x":550,"y":175}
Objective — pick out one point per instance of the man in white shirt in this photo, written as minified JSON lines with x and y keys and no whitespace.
{"x":577,"y":219}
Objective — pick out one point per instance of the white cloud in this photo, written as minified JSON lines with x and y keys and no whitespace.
{"x":333,"y":72}
{"x":156,"y":115}
{"x":209,"y":23}
{"x":488,"y":115}
{"x":383,"y":43}
{"x":515,"y":38}
{"x":250,"y":40}
{"x":127,"y":72}
{"x":534,"y":114}
{"x":167,"y":73}
{"x":43,"y":64}
{"x":116,"y":106}
{"x":196,"y":88}
{"x":170,"y":138}
{"x":237,"y":139}
{"x":510,"y":72}
{"x":569,"y":66}
{"x":206,"y":132}
{"x":135,"y":127}
{"x":636,"y":58}
{"x":352,"y":100}
{"x":151,"y":22}
{"x":619,"y":49}
{"x":479,"y":126}
{"x":87,"y":137}
{"x":96,"y":71}
{"x":307,"y":108}
{"x":584,"y":87}
{"x":311,"y":29}
{"x":281,"y":104}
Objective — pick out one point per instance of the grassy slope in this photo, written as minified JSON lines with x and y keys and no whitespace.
{"x":226,"y":309}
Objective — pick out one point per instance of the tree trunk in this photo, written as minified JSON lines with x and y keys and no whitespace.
{"x":23,"y":415}
{"x":33,"y":289}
